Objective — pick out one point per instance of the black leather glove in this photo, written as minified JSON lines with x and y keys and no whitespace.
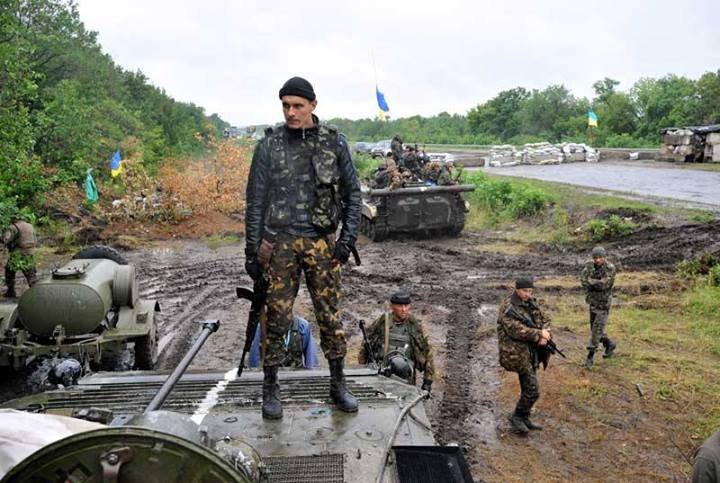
{"x":252,"y":267}
{"x":426,"y":385}
{"x":342,"y":252}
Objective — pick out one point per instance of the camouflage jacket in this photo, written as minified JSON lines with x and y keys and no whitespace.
{"x":516,"y":341}
{"x":20,"y":235}
{"x":419,"y":351}
{"x":598,"y":281}
{"x":302,"y":180}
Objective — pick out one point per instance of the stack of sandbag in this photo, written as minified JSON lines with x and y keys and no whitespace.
{"x":577,"y":152}
{"x":712,"y":147}
{"x":504,"y":155}
{"x":677,"y":145}
{"x":542,"y":153}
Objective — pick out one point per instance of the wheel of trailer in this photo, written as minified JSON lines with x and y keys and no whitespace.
{"x":101,"y":252}
{"x":146,"y":348}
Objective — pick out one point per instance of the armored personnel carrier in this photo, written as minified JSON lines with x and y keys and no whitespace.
{"x":416,"y":208}
{"x":88,"y":309}
{"x":207,"y":427}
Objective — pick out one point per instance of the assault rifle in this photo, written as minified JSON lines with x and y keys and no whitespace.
{"x":368,"y":347}
{"x":543,"y":352}
{"x":257,"y":297}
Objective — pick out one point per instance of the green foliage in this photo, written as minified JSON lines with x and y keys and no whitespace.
{"x":65,"y":106}
{"x":599,"y":229}
{"x":703,"y":303}
{"x":703,"y":217}
{"x":366,"y":164}
{"x":714,"y":276}
{"x":695,"y":267}
{"x":505,"y":198}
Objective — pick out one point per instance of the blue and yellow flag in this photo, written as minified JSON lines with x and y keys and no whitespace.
{"x":382,"y":104}
{"x":116,"y":164}
{"x":592,"y":119}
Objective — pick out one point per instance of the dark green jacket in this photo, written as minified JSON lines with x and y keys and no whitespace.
{"x":420,"y":351}
{"x":598,"y":281}
{"x":516,"y":341}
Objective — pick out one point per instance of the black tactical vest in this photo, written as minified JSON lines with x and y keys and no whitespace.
{"x":304,"y":181}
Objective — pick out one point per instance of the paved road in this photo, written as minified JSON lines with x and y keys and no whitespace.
{"x":640,"y":179}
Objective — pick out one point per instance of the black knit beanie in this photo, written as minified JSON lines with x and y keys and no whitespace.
{"x":524,"y":282}
{"x":297,"y":86}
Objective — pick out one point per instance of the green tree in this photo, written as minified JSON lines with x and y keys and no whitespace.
{"x":499,"y":116}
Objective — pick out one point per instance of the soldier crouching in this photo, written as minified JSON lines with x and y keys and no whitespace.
{"x":518,"y":343}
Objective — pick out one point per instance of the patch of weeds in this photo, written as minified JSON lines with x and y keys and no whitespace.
{"x":703,"y":304}
{"x":561,"y":228}
{"x":506,"y":199}
{"x":703,"y":217}
{"x":223,"y":239}
{"x":612,"y":228}
{"x":698,"y":266}
{"x":366,"y":164}
{"x":714,"y":276}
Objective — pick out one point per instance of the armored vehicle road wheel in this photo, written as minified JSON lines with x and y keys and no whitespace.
{"x":101,"y":251}
{"x":146,"y":348}
{"x":125,"y":454}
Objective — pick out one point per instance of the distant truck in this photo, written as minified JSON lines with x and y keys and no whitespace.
{"x":88,"y":309}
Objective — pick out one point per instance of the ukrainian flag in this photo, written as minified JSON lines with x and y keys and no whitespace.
{"x":382,"y":104}
{"x":116,"y":164}
{"x":592,"y":119}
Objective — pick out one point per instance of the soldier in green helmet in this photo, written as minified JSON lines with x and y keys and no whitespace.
{"x":598,"y":278}
{"x":302,"y":186}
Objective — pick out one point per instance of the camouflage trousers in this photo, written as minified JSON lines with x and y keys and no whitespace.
{"x":529,"y":392}
{"x":314,"y":256}
{"x":20,"y":262}
{"x":598,"y":321}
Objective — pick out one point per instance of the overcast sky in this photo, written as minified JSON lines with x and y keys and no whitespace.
{"x":231,"y":57}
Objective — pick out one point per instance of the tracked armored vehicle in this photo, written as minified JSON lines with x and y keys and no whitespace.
{"x":207,"y":427}
{"x":88,"y":309}
{"x":416,"y":209}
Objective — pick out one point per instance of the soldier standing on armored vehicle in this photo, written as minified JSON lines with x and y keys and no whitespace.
{"x":519,"y":344}
{"x":302,"y":184}
{"x":398,"y":333}
{"x":598,"y":278}
{"x":396,"y":146}
{"x":19,"y":239}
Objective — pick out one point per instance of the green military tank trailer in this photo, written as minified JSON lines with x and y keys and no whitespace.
{"x":415,"y":209}
{"x":88,"y":309}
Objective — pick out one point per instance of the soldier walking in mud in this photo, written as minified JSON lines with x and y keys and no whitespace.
{"x":598,"y":278}
{"x":302,"y":184}
{"x":19,"y":239}
{"x":519,"y":345}
{"x":397,"y":339}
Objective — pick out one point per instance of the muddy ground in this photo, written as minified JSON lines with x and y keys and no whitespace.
{"x":456,"y":285}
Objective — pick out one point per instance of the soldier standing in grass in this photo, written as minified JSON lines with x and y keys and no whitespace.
{"x":302,"y":184}
{"x":19,"y":239}
{"x":598,"y":278}
{"x":518,"y":347}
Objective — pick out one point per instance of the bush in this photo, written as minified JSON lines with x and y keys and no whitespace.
{"x":714,"y":276}
{"x":508,"y":199}
{"x":614,"y":227}
{"x":698,"y":266}
{"x":366,"y":164}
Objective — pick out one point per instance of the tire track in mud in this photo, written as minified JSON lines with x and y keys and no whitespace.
{"x":192,"y":284}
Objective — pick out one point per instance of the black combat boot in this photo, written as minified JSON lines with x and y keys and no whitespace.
{"x":531,"y":425}
{"x":590,"y":357}
{"x":517,"y":421}
{"x":271,"y":406}
{"x":343,"y":399}
{"x":609,"y":348}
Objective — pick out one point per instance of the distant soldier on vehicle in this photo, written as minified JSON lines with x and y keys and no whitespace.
{"x":410,"y":163}
{"x":519,"y":346}
{"x":598,"y":278}
{"x":396,"y":146}
{"x":19,"y":240}
{"x":398,"y":342}
{"x":302,"y":185}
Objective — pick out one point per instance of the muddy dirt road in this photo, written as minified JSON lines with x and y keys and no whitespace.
{"x":646,"y":179}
